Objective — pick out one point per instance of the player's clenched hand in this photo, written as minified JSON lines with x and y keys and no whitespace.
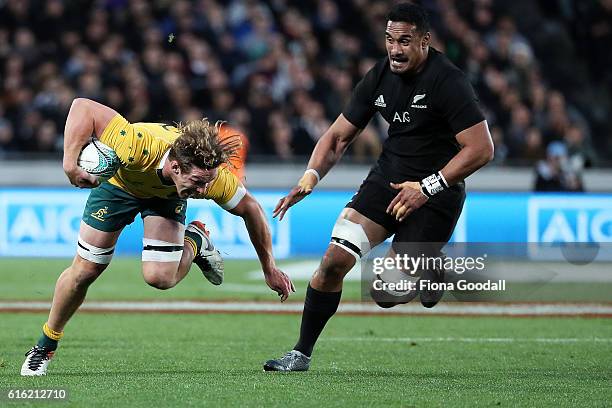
{"x":407,"y":200}
{"x":279,"y":282}
{"x":80,"y":178}
{"x":304,"y":187}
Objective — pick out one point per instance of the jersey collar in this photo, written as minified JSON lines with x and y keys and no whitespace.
{"x":161,"y":177}
{"x":163,"y":160}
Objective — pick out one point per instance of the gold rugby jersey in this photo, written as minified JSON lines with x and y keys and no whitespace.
{"x":143,"y":149}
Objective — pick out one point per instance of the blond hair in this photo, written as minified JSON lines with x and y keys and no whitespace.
{"x":199,"y":145}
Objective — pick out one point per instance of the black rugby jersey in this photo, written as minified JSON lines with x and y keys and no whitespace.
{"x":425,"y":111}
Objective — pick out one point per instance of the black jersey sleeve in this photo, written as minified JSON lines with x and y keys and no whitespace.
{"x":360,"y":108}
{"x":457,"y":102}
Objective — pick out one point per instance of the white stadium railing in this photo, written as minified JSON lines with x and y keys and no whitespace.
{"x":283,"y":176}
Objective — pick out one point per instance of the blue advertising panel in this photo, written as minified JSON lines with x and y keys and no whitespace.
{"x":45,"y":222}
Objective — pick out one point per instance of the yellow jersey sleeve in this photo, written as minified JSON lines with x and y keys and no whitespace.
{"x":226,"y":190}
{"x":139,"y":146}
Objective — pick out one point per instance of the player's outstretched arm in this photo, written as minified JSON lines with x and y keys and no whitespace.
{"x":85,"y":118}
{"x":255,"y":220}
{"x":326,"y":154}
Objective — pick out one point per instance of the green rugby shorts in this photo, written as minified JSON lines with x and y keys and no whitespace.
{"x":110,"y":208}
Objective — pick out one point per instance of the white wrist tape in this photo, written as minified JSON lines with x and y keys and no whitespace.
{"x":316,"y":174}
{"x":432,"y":185}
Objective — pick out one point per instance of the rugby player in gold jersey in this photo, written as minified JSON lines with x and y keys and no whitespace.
{"x":161,"y":166}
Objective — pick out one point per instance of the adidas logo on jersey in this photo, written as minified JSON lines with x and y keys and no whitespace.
{"x":380,"y":101}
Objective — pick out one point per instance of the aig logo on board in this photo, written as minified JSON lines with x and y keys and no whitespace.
{"x":571,"y":219}
{"x":30,"y":226}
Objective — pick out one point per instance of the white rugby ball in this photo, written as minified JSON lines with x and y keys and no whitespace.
{"x":99,"y":160}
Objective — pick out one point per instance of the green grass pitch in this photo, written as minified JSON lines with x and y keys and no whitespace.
{"x":131,"y":359}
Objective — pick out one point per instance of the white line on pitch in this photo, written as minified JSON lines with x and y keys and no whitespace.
{"x":474,"y":339}
{"x":467,"y":309}
{"x":244,"y":288}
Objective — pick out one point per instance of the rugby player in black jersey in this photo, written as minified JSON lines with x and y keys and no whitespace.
{"x":437,"y":137}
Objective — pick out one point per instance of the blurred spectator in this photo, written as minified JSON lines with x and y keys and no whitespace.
{"x":234,"y":136}
{"x":555,"y":173}
{"x":500,"y":148}
{"x":517,"y":130}
{"x":280,"y":132}
{"x":283,"y":69}
{"x":533,"y":149}
{"x":47,"y":138}
{"x":367,"y":145}
{"x":7,"y":137}
{"x":580,"y":153}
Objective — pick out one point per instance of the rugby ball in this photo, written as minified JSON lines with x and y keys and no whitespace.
{"x":99,"y":160}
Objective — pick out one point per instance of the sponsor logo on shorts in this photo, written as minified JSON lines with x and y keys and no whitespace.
{"x":99,"y":215}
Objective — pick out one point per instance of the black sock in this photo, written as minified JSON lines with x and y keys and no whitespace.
{"x":318,"y":308}
{"x":47,"y":343}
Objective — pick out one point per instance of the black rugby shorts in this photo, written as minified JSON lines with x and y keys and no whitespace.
{"x":433,"y":222}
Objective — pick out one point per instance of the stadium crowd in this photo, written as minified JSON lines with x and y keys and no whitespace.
{"x":281,"y":70}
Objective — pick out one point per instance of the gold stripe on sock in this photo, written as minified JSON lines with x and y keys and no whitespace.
{"x":193,"y":244}
{"x":52,"y":334}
